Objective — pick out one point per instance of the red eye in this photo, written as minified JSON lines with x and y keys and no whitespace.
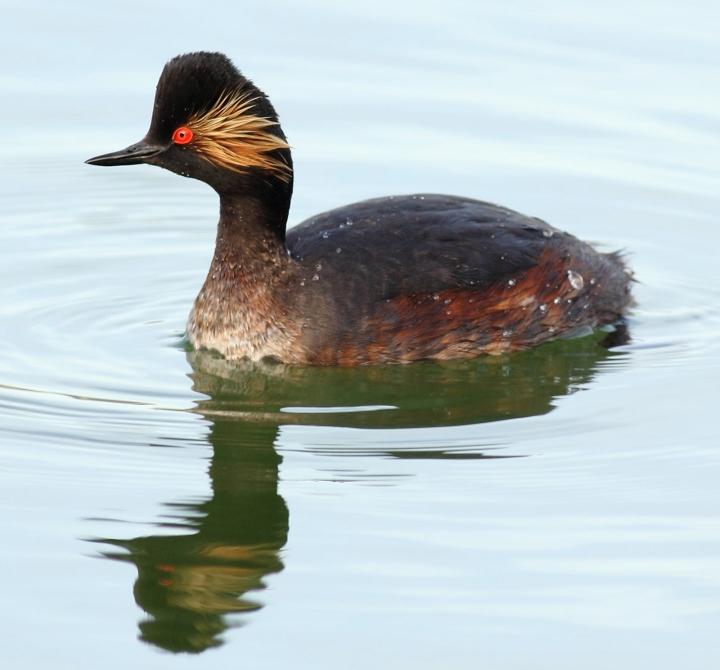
{"x":182,"y":135}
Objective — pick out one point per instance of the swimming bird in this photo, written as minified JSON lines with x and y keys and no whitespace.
{"x":389,"y":280}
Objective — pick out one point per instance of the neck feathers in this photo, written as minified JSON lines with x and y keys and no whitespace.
{"x":242,"y":309}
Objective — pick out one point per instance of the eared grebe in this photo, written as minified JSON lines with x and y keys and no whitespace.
{"x":388,"y":280}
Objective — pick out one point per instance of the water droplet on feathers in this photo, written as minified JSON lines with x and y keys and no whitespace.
{"x":575,"y":279}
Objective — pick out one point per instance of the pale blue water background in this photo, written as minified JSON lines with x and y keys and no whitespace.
{"x":382,"y":539}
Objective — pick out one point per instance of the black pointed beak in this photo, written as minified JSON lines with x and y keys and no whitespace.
{"x":132,"y":155}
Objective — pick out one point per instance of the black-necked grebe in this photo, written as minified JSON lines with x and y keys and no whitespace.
{"x":394,"y":279}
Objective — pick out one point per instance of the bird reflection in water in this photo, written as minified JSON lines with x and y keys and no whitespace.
{"x":190,"y":584}
{"x":187,"y":583}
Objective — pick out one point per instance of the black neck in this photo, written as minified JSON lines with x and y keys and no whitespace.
{"x":251,"y":233}
{"x":255,"y":197}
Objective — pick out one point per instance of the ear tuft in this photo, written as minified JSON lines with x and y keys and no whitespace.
{"x":233,"y":135}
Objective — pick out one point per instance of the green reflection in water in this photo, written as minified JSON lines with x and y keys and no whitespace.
{"x":189,"y":584}
{"x":422,"y":394}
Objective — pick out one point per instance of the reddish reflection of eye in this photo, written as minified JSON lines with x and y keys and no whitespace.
{"x":182,"y":135}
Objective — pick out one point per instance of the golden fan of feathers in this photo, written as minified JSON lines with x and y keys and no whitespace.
{"x":230,"y":135}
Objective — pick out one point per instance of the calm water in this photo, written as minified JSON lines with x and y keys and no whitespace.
{"x":552,"y":509}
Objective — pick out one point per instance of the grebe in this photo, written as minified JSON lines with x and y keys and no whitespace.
{"x":388,"y":280}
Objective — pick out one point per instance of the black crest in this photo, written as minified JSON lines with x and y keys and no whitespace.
{"x":190,"y":84}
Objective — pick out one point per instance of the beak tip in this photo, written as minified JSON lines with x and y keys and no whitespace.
{"x":95,"y":160}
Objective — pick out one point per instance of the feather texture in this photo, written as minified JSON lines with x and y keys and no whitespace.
{"x":229,"y":135}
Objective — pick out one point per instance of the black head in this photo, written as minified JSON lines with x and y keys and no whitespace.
{"x":211,"y":123}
